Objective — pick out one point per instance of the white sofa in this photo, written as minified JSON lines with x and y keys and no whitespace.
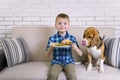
{"x":38,"y":66}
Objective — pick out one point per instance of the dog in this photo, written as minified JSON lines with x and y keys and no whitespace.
{"x":95,"y":48}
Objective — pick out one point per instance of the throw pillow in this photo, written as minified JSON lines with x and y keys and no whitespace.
{"x":15,"y":50}
{"x":112,"y":52}
{"x":3,"y":61}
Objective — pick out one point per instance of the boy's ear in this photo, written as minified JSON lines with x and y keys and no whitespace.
{"x":55,"y":25}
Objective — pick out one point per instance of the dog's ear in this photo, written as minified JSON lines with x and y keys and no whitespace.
{"x":95,"y":41}
{"x":84,"y":33}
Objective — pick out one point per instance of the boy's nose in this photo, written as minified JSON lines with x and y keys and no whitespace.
{"x":62,"y":24}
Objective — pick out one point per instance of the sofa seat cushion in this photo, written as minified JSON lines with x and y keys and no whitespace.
{"x":39,"y":71}
{"x":25,"y":71}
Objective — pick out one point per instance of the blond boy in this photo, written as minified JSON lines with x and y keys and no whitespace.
{"x":62,"y":56}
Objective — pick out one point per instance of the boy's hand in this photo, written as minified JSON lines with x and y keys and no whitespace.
{"x":52,"y":45}
{"x":74,"y":46}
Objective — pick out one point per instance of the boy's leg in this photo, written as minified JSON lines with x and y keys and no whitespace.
{"x":70,"y":71}
{"x":54,"y":72}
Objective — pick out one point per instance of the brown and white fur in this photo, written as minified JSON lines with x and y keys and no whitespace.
{"x":95,"y":47}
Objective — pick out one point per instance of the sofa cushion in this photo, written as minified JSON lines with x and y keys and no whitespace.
{"x":39,"y":71}
{"x":15,"y":51}
{"x":112,"y":52}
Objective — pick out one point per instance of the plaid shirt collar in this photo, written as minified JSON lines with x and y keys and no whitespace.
{"x":66,"y":35}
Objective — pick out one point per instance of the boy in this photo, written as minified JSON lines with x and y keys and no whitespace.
{"x":62,"y":57}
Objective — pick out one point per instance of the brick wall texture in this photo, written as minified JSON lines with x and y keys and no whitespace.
{"x":82,"y":13}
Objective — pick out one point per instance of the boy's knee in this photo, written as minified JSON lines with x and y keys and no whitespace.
{"x":71,"y":76}
{"x":53,"y":75}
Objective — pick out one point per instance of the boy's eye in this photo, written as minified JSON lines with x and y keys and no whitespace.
{"x":65,"y":23}
{"x":59,"y":23}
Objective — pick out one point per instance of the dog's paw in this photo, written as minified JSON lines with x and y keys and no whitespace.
{"x":101,"y":70}
{"x":89,"y":68}
{"x":101,"y":66}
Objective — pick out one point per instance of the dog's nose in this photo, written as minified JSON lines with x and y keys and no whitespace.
{"x":83,"y":42}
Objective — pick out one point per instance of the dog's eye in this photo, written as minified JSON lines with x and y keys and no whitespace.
{"x":89,"y":36}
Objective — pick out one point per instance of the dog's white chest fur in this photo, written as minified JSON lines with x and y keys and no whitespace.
{"x":94,"y":52}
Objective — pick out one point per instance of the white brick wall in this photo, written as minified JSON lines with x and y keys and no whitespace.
{"x":83,"y":13}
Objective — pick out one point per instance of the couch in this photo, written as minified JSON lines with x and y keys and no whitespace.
{"x":38,"y":65}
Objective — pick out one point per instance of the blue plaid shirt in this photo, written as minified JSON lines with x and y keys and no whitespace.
{"x":61,"y":55}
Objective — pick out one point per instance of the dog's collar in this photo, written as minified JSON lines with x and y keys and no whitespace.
{"x":101,"y":42}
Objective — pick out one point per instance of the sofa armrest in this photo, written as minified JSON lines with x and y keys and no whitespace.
{"x":1,"y":55}
{"x":3,"y":61}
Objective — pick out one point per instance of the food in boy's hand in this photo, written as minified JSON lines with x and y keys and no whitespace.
{"x":66,"y":42}
{"x":57,"y":44}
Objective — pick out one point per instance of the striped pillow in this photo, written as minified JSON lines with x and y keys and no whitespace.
{"x":15,"y":50}
{"x":112,"y":52}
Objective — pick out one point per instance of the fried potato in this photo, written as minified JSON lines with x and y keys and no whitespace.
{"x":66,"y":42}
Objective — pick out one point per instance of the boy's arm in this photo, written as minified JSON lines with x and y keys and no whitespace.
{"x":49,"y":51}
{"x":49,"y":48}
{"x":74,"y":47}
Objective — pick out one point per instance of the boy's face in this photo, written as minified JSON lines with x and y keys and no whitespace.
{"x":62,"y":24}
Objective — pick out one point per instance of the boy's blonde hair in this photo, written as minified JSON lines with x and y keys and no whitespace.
{"x":62,"y":15}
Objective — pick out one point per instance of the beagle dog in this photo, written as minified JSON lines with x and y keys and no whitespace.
{"x":95,"y":48}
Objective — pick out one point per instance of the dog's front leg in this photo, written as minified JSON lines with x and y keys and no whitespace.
{"x":89,"y":67}
{"x":101,"y":65}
